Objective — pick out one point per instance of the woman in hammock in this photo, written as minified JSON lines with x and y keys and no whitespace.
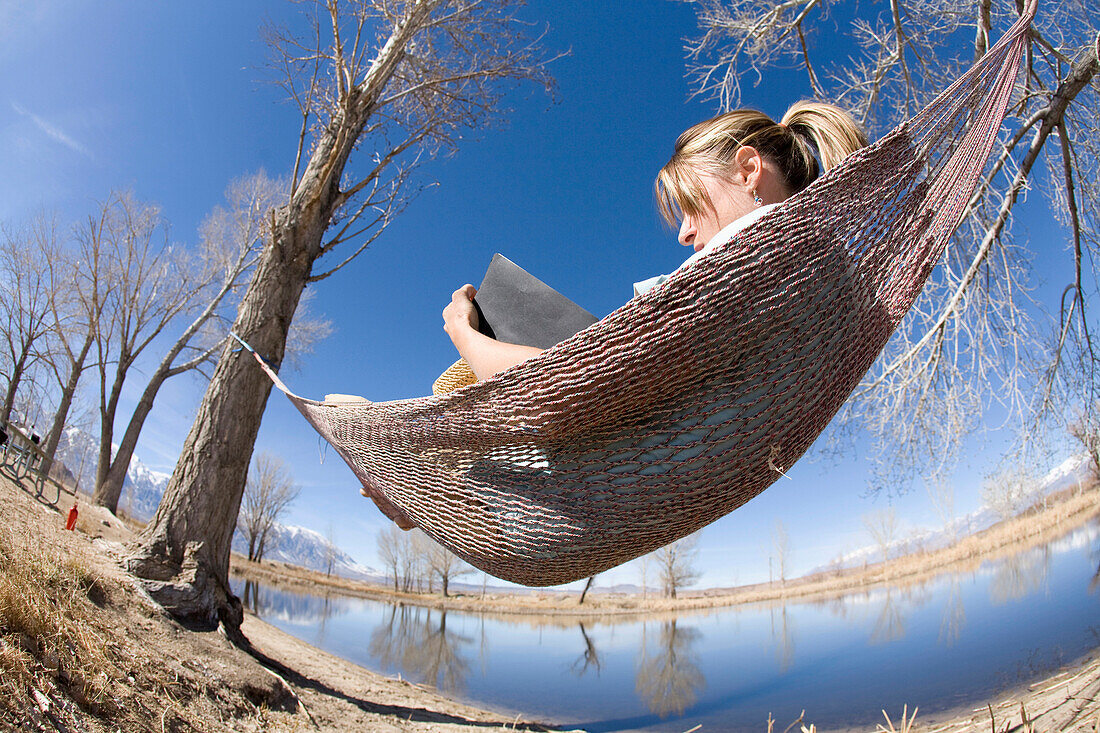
{"x":724,"y":174}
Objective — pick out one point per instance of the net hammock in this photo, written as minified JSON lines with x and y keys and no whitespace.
{"x":694,"y":397}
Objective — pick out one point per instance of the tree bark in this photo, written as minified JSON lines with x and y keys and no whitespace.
{"x":65,"y":404}
{"x":184,"y":551}
{"x":13,"y":386}
{"x":107,"y":411}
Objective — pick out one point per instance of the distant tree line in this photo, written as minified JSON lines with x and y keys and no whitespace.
{"x":415,"y":563}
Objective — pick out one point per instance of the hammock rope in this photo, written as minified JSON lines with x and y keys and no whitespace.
{"x":694,"y":397}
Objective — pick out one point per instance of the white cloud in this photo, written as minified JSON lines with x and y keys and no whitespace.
{"x":52,"y":131}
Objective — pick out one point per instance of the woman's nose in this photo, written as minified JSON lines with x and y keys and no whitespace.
{"x":688,"y":232}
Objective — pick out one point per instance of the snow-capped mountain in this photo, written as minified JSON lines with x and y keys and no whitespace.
{"x":1071,"y":472}
{"x":308,"y":549}
{"x":142,"y":489}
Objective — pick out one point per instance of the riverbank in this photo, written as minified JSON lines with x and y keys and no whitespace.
{"x":1038,"y":525}
{"x":82,"y":648}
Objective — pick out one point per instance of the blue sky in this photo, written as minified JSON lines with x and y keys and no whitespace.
{"x":171,"y":100}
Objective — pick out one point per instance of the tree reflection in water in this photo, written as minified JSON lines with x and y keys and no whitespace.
{"x":424,"y":649}
{"x":589,"y":657}
{"x":669,"y":680}
{"x":783,"y":637}
{"x":250,"y":599}
{"x":1019,"y":575}
{"x":890,"y":625}
{"x":954,"y":615}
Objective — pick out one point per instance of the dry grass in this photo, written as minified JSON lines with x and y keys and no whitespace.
{"x":46,"y":601}
{"x":77,"y":653}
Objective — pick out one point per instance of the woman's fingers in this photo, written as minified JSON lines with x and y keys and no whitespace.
{"x":461,"y":308}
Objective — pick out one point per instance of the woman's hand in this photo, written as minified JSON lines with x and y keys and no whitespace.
{"x":460,"y":314}
{"x":486,"y":356}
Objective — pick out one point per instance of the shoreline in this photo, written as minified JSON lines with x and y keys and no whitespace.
{"x":212,"y":682}
{"x":1063,"y":512}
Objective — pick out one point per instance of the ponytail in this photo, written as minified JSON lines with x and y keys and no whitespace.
{"x":809,"y":131}
{"x":829,"y":129}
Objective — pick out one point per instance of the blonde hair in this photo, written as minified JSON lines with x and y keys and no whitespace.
{"x":709,"y":147}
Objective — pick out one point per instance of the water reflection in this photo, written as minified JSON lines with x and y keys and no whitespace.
{"x":890,"y":624}
{"x":953,"y":620}
{"x":964,"y":637}
{"x":418,"y":641}
{"x":296,"y":608}
{"x":783,"y":635}
{"x":589,"y":658}
{"x":669,"y":680}
{"x":1020,"y":575}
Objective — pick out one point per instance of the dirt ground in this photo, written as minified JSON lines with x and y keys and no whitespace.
{"x":111,"y":660}
{"x":106,"y":658}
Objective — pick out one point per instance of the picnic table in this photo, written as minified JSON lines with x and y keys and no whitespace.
{"x":22,"y":460}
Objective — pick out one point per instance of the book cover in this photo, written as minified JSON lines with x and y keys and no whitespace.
{"x":516,"y":307}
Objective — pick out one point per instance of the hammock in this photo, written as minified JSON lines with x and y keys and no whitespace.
{"x":691,"y":399}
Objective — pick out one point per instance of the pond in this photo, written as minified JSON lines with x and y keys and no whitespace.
{"x":953,"y":641}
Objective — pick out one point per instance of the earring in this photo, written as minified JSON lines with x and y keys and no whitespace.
{"x":756,"y":198}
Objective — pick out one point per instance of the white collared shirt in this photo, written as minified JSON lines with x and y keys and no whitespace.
{"x":726,"y":234}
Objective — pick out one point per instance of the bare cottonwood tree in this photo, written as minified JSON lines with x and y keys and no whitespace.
{"x":270,"y":489}
{"x":1084,"y":427}
{"x":231,"y":238}
{"x":942,"y":495}
{"x":81,"y":281}
{"x":882,"y":525}
{"x":150,"y":287}
{"x":781,"y":541}
{"x":1008,"y":490}
{"x":444,"y":565}
{"x":676,"y":564}
{"x":26,"y":301}
{"x":330,"y":550}
{"x":393,"y":80}
{"x":973,"y":337}
{"x":389,"y":542}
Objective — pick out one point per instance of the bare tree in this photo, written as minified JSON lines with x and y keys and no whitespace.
{"x":150,"y":288}
{"x":330,"y":549}
{"x":26,"y":301}
{"x":444,"y":565}
{"x":81,"y":281}
{"x":781,"y":541}
{"x":269,"y":491}
{"x":394,"y":80}
{"x":231,"y":238}
{"x":1008,"y":490}
{"x":1084,"y":427}
{"x":883,"y":528}
{"x":676,"y":564}
{"x":942,"y":494}
{"x":389,"y":542}
{"x":587,"y":587}
{"x":973,"y":337}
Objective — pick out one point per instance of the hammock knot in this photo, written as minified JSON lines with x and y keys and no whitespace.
{"x":773,"y":456}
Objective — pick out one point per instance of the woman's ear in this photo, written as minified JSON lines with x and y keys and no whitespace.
{"x":749,"y":165}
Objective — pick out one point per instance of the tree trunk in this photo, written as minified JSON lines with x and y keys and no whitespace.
{"x":13,"y":387}
{"x":109,"y":489}
{"x":184,"y":551}
{"x":183,"y":554}
{"x":107,"y":411}
{"x":584,"y":592}
{"x":65,"y":404}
